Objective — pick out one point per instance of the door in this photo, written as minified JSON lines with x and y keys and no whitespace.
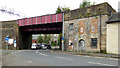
{"x":81,"y":45}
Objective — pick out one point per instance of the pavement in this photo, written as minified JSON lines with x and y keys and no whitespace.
{"x":0,"y":58}
{"x":90,"y":54}
{"x":51,"y":58}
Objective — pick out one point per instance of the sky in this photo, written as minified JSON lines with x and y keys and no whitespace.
{"x":31,"y":8}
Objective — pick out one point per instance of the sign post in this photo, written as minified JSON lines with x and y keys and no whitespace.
{"x":63,"y":34}
{"x":6,"y":40}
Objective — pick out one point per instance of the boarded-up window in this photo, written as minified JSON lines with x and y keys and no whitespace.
{"x":93,"y":42}
{"x":93,"y":25}
{"x":81,"y":27}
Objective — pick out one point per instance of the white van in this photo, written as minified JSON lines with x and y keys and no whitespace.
{"x":33,"y":46}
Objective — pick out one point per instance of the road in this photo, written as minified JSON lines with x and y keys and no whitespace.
{"x":49,"y":58}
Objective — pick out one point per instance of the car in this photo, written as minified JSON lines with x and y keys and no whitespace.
{"x":49,"y":46}
{"x":43,"y":45}
{"x":33,"y":46}
{"x":38,"y":46}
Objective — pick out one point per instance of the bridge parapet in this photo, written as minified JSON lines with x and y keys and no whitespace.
{"x":52,"y":18}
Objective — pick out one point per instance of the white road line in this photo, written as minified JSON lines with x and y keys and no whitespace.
{"x":98,"y":57}
{"x":76,"y":55}
{"x":86,"y":56}
{"x":101,"y":64}
{"x":42,"y":54}
{"x":113,"y":58}
{"x":63,"y":58}
{"x":37,"y":51}
{"x":28,"y":61}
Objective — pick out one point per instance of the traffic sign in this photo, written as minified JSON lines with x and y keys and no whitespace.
{"x":62,"y":38}
{"x":6,"y":39}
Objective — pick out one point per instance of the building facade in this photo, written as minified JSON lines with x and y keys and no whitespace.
{"x":85,"y":28}
{"x":113,"y":32}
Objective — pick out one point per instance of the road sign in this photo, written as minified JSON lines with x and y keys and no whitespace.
{"x":10,"y":41}
{"x":6,"y":39}
{"x":62,"y":38}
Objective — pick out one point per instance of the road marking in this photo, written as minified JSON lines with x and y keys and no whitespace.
{"x":86,"y":56}
{"x":101,"y":64}
{"x":28,"y":61}
{"x":42,"y":54}
{"x":113,"y":58}
{"x":98,"y":57}
{"x":63,"y":58}
{"x":37,"y":51}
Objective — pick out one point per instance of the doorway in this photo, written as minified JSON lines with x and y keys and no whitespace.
{"x":81,"y":45}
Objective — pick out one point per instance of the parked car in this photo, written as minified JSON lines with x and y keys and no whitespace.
{"x":49,"y":46}
{"x":33,"y":46}
{"x":38,"y":46}
{"x":44,"y":46}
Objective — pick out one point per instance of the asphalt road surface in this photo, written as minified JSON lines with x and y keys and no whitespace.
{"x":48,"y":58}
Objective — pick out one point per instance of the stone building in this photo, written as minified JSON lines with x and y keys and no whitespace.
{"x":113,"y":32}
{"x":85,"y":28}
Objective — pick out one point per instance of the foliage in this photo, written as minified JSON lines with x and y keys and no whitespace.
{"x":60,"y":35}
{"x":47,"y":38}
{"x":86,"y":3}
{"x":53,"y":43}
{"x":44,"y":39}
{"x":62,"y":9}
{"x":40,"y":39}
{"x":58,"y":10}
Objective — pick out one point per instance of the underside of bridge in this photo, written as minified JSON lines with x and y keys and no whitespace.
{"x":25,"y":33}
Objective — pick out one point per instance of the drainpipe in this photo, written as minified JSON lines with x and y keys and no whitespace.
{"x":100,"y":33}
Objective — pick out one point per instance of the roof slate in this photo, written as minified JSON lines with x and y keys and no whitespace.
{"x":115,"y":17}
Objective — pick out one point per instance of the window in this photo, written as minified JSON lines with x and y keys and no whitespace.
{"x":81,"y":29}
{"x":93,"y":42}
{"x":93,"y":28}
{"x":71,"y":26}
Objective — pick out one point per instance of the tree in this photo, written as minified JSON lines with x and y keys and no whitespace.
{"x":47,"y":38}
{"x":40,"y":39}
{"x":62,"y":9}
{"x":58,"y":10}
{"x":86,"y":3}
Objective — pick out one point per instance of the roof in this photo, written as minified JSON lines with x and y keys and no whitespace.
{"x":94,"y":10}
{"x":115,"y":17}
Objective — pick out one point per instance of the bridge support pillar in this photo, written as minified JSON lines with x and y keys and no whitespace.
{"x":25,"y":40}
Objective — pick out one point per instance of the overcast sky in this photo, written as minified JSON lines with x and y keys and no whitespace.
{"x":31,"y":8}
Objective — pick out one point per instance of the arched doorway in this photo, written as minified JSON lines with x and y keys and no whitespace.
{"x":81,"y":45}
